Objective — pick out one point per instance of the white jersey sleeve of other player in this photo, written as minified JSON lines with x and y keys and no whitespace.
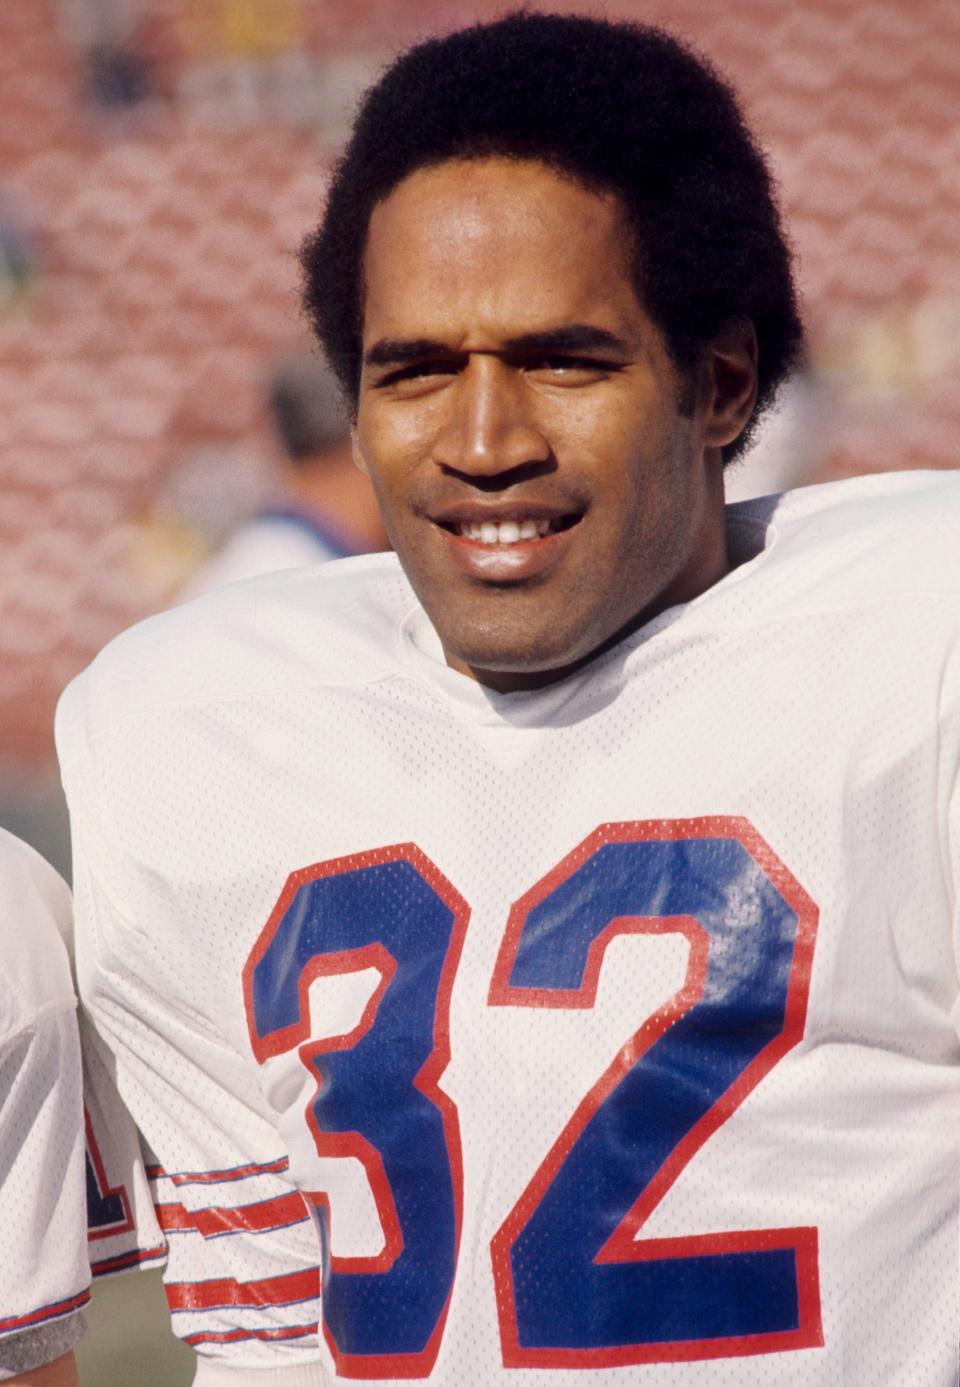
{"x":68,"y":1149}
{"x":122,"y":1229}
{"x":604,"y":1034}
{"x":44,"y":1274}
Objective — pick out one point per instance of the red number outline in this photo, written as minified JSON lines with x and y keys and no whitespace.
{"x":621,"y":1246}
{"x":105,"y":1189}
{"x":427,"y":1079}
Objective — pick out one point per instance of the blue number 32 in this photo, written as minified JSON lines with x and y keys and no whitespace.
{"x":576,"y":1284}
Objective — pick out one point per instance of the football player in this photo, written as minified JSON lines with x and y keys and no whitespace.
{"x":44,"y":1272}
{"x":537,"y":950}
{"x":62,"y":1128}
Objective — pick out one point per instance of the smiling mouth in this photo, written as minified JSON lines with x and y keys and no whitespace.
{"x":514,"y":531}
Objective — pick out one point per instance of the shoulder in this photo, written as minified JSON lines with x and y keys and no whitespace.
{"x":867,"y":539}
{"x":333,"y":623}
{"x":34,"y":915}
{"x":28,"y":882}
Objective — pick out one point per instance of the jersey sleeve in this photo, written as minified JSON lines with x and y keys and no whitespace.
{"x":949,"y":774}
{"x":44,"y":1273}
{"x":122,"y":1228}
{"x":242,"y":1276}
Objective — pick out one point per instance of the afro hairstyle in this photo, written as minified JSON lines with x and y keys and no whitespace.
{"x":621,"y":108}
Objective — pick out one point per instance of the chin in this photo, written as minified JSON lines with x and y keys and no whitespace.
{"x":502,"y":650}
{"x":524,"y":660}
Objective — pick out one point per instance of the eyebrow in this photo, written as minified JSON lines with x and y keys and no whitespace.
{"x":572,"y":337}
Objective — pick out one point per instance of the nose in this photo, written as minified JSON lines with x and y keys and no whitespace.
{"x":491,"y":426}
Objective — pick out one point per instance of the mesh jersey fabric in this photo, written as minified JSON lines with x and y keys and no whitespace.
{"x":68,"y":1150}
{"x":44,"y":1276}
{"x":122,"y":1229}
{"x":608,"y":1031}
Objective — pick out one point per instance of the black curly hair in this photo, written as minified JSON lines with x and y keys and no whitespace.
{"x":620,"y":107}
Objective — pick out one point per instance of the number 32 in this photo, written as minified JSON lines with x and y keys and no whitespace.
{"x":576,"y":1285}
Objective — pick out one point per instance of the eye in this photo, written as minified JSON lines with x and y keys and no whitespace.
{"x":407,"y":379}
{"x":569,"y":370}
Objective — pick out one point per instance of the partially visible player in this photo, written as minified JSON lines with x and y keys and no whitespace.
{"x":44,"y":1272}
{"x":322,"y":507}
{"x":62,"y":1161}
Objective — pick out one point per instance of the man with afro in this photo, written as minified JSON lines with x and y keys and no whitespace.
{"x":532,"y":954}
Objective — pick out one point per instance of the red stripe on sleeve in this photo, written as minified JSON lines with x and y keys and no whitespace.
{"x":124,"y":1260}
{"x":48,"y":1312}
{"x":234,"y":1336}
{"x":219,"y":1177}
{"x":273,"y":1290}
{"x":281,"y":1212}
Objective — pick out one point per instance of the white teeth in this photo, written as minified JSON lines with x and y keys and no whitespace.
{"x":505,"y":531}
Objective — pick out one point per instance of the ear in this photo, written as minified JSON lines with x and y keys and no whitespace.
{"x":359,"y":461}
{"x":729,"y":384}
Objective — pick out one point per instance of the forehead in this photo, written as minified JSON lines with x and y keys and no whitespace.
{"x":494,"y":239}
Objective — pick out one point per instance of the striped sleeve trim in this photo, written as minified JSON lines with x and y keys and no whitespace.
{"x":289,"y":1289}
{"x":215,"y":1177}
{"x":235,"y":1336}
{"x":125,"y":1260}
{"x":219,"y":1221}
{"x":54,"y":1311}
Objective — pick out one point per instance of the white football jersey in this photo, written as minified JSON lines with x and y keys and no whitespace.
{"x":603,"y":1034}
{"x":122,"y":1229}
{"x":44,"y":1274}
{"x":50,"y":1177}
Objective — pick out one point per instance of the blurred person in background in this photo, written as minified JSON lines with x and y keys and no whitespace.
{"x":324,"y":508}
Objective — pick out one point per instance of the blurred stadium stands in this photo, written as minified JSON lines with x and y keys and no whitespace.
{"x":160,"y":160}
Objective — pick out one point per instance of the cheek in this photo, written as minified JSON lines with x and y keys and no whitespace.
{"x":384,"y":460}
{"x":611,"y":432}
{"x":395,"y":440}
